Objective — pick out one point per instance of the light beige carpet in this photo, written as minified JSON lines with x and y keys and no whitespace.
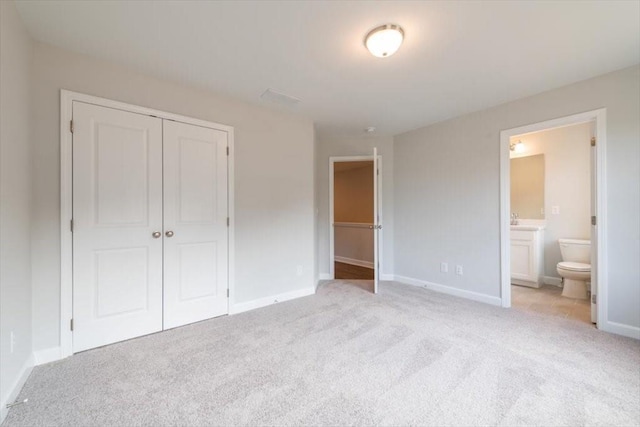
{"x":347,"y":357}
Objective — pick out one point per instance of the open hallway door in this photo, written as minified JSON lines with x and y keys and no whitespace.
{"x":376,"y":223}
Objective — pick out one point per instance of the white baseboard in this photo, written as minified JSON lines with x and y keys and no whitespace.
{"x":555,"y":281}
{"x":324,"y":276}
{"x":352,"y":261}
{"x":620,"y":329}
{"x":450,"y":290}
{"x":26,"y":369}
{"x":47,"y":355}
{"x":263,"y":302}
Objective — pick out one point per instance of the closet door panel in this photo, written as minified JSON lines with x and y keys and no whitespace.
{"x":195,"y":223}
{"x":117,"y":206}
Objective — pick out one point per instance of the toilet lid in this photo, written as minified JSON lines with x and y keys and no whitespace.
{"x":574,"y":266}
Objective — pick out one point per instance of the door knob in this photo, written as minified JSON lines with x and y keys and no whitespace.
{"x":156,"y":234}
{"x":169,"y":233}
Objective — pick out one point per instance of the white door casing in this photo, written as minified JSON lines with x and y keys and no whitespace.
{"x":117,"y":206}
{"x":195,"y":223}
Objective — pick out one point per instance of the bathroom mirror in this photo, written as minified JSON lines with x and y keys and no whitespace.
{"x":527,"y":186}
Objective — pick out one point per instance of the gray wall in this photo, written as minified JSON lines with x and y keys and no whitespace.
{"x":447,"y":189}
{"x":15,"y":200}
{"x":273,"y":177}
{"x":329,"y":146}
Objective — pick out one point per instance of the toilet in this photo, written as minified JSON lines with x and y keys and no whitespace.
{"x":575,"y":268}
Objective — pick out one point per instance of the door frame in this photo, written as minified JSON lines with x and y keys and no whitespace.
{"x":332,"y":162}
{"x":599,"y":117}
{"x":66,"y":199}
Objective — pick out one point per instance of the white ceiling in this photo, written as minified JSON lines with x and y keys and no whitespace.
{"x":458,"y":56}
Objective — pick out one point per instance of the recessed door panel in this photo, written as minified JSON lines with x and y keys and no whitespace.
{"x":117,"y":205}
{"x":122,"y":281}
{"x":121,"y":198}
{"x":198,"y":278}
{"x":196,"y":181}
{"x":195,"y":223}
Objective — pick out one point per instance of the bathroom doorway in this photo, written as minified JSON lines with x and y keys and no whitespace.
{"x":354,"y":218}
{"x":552,"y":217}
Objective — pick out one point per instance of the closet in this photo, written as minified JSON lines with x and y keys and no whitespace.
{"x":150,"y":224}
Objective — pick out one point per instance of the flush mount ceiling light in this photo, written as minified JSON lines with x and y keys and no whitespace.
{"x":384,"y":40}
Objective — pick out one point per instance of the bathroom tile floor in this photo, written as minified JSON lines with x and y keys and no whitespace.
{"x":548,"y":299}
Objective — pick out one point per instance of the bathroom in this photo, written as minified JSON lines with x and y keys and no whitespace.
{"x":551,"y":199}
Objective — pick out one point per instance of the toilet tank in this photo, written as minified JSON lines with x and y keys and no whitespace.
{"x":575,"y":250}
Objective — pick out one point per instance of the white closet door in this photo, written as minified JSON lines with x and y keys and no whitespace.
{"x":195,"y":223}
{"x":117,"y":206}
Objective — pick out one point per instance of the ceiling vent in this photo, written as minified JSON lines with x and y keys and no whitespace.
{"x":279,"y":98}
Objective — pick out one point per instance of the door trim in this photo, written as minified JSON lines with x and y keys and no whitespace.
{"x":600,"y":118}
{"x":332,"y":161}
{"x":66,"y":201}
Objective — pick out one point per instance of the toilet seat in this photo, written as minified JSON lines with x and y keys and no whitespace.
{"x":574,"y":266}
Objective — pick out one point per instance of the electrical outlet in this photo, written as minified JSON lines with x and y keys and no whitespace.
{"x":444,"y":267}
{"x":555,"y":210}
{"x":459,"y":270}
{"x":299,"y":271}
{"x":13,"y":341}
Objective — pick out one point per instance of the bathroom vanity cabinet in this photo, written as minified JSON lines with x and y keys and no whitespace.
{"x":527,"y":255}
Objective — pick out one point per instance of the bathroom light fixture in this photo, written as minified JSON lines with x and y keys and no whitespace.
{"x":517,"y":147}
{"x":384,"y":40}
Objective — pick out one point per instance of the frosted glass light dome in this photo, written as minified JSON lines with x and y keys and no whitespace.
{"x":385,"y":40}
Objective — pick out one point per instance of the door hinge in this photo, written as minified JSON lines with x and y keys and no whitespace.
{"x":71,"y":324}
{"x":377,"y":171}
{"x":593,"y":220}
{"x":227,"y":151}
{"x":227,"y":293}
{"x":71,"y":126}
{"x":593,"y":141}
{"x":71,"y":225}
{"x":594,"y":299}
{"x":228,"y":221}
